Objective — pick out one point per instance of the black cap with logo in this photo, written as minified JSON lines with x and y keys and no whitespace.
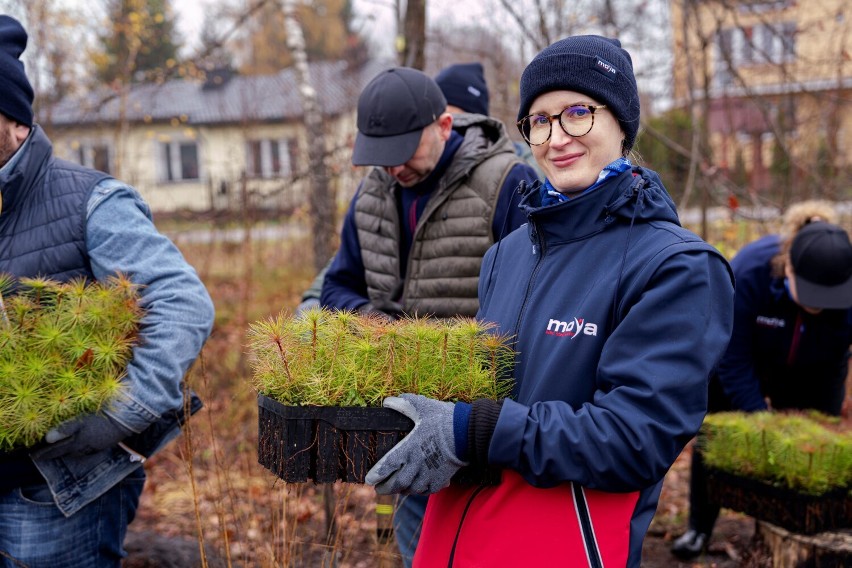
{"x":821,"y":256}
{"x":393,"y":110}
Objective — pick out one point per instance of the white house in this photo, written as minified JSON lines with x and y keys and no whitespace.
{"x":197,"y":146}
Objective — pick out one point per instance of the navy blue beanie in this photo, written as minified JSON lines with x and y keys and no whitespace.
{"x":593,"y":65}
{"x":464,"y":86}
{"x":16,"y":93}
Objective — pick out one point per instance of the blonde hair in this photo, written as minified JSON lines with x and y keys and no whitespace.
{"x":797,"y":216}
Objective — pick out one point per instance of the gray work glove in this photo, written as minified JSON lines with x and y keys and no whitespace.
{"x":87,"y":434}
{"x":425,"y":460}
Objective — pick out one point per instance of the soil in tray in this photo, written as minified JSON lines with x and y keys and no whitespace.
{"x":324,"y":444}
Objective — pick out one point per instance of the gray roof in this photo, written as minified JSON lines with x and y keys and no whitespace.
{"x":258,"y":98}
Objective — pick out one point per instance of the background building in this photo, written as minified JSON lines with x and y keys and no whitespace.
{"x":769,"y":85}
{"x":221,"y":143}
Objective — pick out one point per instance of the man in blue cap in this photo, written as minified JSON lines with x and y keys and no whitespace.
{"x":67,"y":502}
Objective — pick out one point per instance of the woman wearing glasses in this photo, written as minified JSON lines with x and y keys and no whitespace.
{"x":619,"y":315}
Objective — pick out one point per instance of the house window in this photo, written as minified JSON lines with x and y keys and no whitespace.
{"x":270,"y":157}
{"x":179,"y":161}
{"x":773,"y":43}
{"x":94,"y":155}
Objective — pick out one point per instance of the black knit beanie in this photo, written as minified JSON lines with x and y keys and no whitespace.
{"x":464,"y":86}
{"x":593,"y":65}
{"x":16,"y":94}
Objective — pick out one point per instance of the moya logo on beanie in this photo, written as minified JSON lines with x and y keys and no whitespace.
{"x":605,"y":68}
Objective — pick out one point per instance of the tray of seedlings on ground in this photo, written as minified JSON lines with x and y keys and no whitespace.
{"x":322,"y":376}
{"x":64,"y":349}
{"x":789,"y":469}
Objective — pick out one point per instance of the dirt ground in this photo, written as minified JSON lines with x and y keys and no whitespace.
{"x":248,"y":518}
{"x":164,"y":540}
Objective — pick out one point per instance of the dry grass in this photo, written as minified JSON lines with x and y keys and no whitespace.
{"x":239,"y":511}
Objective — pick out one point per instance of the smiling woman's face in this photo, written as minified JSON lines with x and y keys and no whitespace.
{"x":573,"y":164}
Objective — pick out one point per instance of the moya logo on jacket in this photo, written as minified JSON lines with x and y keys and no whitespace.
{"x":767,"y":321}
{"x":579,"y":326}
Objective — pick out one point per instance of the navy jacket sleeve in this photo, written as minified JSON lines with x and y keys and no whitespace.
{"x":736,"y":370}
{"x":345,"y":287}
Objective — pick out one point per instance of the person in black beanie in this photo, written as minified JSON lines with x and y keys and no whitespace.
{"x":16,"y":93}
{"x":618,"y":316}
{"x":66,"y":501}
{"x":464,"y":87}
{"x":466,"y":91}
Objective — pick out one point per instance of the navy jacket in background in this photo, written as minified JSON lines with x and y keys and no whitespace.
{"x":777,"y":350}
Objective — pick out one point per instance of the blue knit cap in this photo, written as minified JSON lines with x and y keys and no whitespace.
{"x":16,"y":94}
{"x":593,"y":65}
{"x":464,"y":86}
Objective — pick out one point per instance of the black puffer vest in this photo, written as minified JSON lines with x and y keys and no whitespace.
{"x":43,"y":217}
{"x":42,"y":233}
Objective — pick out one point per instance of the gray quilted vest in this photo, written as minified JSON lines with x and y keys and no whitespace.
{"x":453,"y":233}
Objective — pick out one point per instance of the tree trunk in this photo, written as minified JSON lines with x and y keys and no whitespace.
{"x":414,"y":33}
{"x":792,"y":550}
{"x":320,"y":197}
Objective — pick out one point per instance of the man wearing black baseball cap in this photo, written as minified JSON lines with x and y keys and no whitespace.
{"x":431,"y":175}
{"x":393,"y":111}
{"x":441,"y":192}
{"x":792,"y":329}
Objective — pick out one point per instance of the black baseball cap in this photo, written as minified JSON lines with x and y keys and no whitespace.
{"x":821,"y":255}
{"x":393,"y":110}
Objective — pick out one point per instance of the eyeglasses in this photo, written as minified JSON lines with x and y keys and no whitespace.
{"x":576,"y":120}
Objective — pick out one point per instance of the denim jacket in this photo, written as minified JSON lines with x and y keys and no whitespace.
{"x":121,"y":237}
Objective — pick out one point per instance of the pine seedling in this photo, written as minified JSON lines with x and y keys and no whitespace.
{"x":64,"y":348}
{"x":799,"y":451}
{"x":343,"y":358}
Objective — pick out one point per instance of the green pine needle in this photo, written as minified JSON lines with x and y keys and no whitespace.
{"x":64,"y":348}
{"x":342,"y":358}
{"x":801,"y":451}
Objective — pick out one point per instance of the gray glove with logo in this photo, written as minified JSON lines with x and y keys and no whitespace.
{"x":425,"y":460}
{"x":87,"y":434}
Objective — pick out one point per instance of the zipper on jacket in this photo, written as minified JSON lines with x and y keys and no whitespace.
{"x":797,"y":335}
{"x":582,"y":510}
{"x":538,"y":246}
{"x":461,"y":522}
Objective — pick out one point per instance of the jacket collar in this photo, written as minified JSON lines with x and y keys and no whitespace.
{"x":633,"y":195}
{"x":26,"y":167}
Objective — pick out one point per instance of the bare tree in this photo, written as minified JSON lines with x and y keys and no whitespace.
{"x":772,"y":95}
{"x":319,"y":196}
{"x":413,"y":25}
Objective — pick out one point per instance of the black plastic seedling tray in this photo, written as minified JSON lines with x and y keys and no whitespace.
{"x":795,"y":511}
{"x":329,"y":443}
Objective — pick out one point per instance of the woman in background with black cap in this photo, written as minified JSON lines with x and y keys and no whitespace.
{"x":792,"y":331}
